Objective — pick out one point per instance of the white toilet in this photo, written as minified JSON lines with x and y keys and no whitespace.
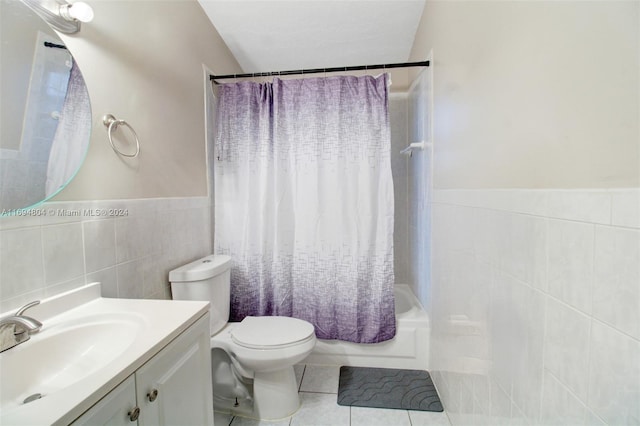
{"x":252,"y":360}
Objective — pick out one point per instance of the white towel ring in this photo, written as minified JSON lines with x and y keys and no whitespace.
{"x":111,"y":123}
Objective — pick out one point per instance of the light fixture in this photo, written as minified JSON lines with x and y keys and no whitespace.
{"x":61,"y":15}
{"x":78,"y":11}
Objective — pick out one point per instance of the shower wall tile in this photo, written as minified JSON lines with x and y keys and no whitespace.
{"x":592,"y":419}
{"x":130,"y":254}
{"x":559,"y":406}
{"x":625,"y":208}
{"x":524,"y":248}
{"x":529,"y":306}
{"x":490,"y":236}
{"x":571,"y":246}
{"x":500,"y":411}
{"x":502,"y":329}
{"x":616,"y":293}
{"x":399,"y":171}
{"x":584,"y":206}
{"x":518,"y":417}
{"x":535,"y":296}
{"x":420,"y":170}
{"x":481,"y":392}
{"x":614,"y":375}
{"x":567,"y":342}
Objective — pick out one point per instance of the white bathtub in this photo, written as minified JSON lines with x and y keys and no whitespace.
{"x":408,"y":349}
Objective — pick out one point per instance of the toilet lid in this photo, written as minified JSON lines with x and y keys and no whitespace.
{"x":271,"y":332}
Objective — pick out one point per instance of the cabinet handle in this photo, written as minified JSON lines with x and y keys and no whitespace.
{"x":152,"y":395}
{"x":134,"y":414}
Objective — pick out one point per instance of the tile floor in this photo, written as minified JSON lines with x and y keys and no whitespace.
{"x":318,"y":388}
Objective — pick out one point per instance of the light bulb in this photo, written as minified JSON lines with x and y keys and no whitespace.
{"x":79,"y":11}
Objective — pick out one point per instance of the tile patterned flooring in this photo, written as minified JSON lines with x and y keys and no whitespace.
{"x":318,"y":388}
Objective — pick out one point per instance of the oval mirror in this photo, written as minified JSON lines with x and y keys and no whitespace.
{"x":45,"y":113}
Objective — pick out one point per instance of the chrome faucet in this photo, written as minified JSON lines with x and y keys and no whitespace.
{"x":21,"y":325}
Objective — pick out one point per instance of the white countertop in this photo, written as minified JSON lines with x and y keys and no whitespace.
{"x":160,"y":321}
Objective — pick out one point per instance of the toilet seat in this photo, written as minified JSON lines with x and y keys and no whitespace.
{"x":271,"y":332}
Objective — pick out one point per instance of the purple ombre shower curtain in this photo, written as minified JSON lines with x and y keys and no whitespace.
{"x":304,"y":203}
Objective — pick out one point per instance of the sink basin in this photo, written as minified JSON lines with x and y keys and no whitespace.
{"x":88,"y":345}
{"x":63,"y":354}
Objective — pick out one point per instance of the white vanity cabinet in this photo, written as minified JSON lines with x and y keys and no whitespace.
{"x":172,"y":388}
{"x":114,"y":408}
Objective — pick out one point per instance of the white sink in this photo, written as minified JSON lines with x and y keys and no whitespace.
{"x":87,"y":346}
{"x":63,"y":354}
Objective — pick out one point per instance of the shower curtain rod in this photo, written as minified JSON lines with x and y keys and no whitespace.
{"x":320,"y":70}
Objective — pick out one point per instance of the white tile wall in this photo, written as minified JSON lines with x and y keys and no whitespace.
{"x":419,"y":186}
{"x":614,"y":375}
{"x":21,"y":269}
{"x":63,"y":252}
{"x":625,"y":208}
{"x":559,"y":406}
{"x":101,"y":252}
{"x":62,"y":245}
{"x":411,"y":184}
{"x":571,"y":246}
{"x":536,"y":306}
{"x":399,"y":170}
{"x":566,"y":343}
{"x":616,"y":268}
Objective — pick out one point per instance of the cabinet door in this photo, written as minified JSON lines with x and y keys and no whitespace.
{"x":174,"y":387}
{"x":114,"y":408}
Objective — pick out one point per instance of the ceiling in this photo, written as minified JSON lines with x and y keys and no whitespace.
{"x":268,"y":35}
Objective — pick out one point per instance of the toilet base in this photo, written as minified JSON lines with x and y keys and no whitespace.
{"x":275,"y":394}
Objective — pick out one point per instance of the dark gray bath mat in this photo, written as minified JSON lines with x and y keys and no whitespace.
{"x":387,"y":388}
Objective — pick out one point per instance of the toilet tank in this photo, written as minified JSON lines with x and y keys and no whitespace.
{"x":205,"y":279}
